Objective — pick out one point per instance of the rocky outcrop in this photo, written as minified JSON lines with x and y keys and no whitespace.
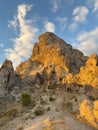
{"x":88,"y":74}
{"x":89,"y":112}
{"x":53,"y":64}
{"x":9,"y":79}
{"x":53,"y":55}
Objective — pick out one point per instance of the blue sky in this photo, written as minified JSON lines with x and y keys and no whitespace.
{"x":22,"y":21}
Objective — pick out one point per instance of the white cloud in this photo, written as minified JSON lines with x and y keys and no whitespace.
{"x":88,"y":42}
{"x":56,"y":4}
{"x":49,"y":26}
{"x":23,"y":43}
{"x":13,"y":23}
{"x":62,"y":21}
{"x":73,"y":26}
{"x":79,"y":16}
{"x":92,"y":4}
{"x":1,"y":45}
{"x":95,"y":6}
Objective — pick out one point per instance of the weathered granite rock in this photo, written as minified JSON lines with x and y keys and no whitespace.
{"x":88,"y":74}
{"x":8,"y":78}
{"x":55,"y":56}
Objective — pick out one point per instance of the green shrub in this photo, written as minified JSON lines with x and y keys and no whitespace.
{"x":26,"y":99}
{"x":42,"y":101}
{"x":51,"y":99}
{"x":39,"y":111}
{"x":48,"y":109}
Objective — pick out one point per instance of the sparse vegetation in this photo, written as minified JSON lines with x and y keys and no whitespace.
{"x":20,"y":127}
{"x":26,"y":99}
{"x":42,"y":101}
{"x":39,"y":111}
{"x":51,"y":99}
{"x":48,"y":109}
{"x":66,"y":103}
{"x":11,"y":113}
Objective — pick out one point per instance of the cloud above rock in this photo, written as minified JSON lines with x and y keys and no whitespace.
{"x":23,"y":43}
{"x":88,"y":41}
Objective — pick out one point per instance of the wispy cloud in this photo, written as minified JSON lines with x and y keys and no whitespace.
{"x":88,"y":42}
{"x":49,"y":26}
{"x":79,"y":16}
{"x":56,"y":4}
{"x":95,"y":6}
{"x":23,"y":44}
{"x":1,"y":45}
{"x":63,"y":22}
{"x":13,"y":23}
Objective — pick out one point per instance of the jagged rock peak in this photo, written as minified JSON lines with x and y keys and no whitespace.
{"x":51,"y":38}
{"x":53,"y":55}
{"x":7,"y":64}
{"x":9,"y":79}
{"x":53,"y":50}
{"x":93,"y":60}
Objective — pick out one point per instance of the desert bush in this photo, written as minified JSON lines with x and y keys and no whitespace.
{"x":39,"y":111}
{"x":51,"y":99}
{"x":48,"y":108}
{"x":42,"y":101}
{"x":11,"y":113}
{"x":26,"y":99}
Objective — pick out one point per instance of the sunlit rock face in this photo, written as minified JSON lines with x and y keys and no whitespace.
{"x":54,"y":56}
{"x":88,"y":74}
{"x":89,"y":112}
{"x":8,"y":77}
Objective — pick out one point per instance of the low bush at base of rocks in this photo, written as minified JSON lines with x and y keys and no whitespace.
{"x":26,"y":99}
{"x":39,"y":111}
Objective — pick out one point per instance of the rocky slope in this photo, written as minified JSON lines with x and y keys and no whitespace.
{"x":55,"y":80}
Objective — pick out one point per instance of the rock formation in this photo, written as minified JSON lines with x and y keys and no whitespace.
{"x":54,"y":72}
{"x":8,"y":78}
{"x":88,"y":74}
{"x":54,"y":56}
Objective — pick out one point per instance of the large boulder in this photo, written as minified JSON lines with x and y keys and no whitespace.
{"x":8,"y":77}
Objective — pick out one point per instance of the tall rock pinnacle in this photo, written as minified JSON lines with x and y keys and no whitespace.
{"x":52,"y":54}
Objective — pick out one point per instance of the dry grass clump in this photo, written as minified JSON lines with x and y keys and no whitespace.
{"x":20,"y":127}
{"x":11,"y":113}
